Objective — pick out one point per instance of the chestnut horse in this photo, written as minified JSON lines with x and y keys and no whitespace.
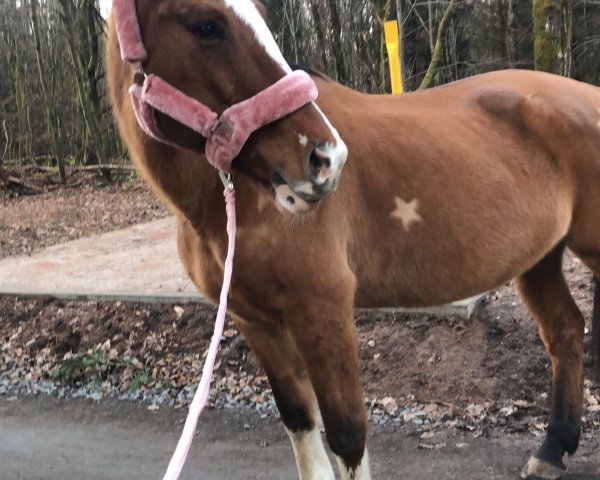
{"x":446,"y":193}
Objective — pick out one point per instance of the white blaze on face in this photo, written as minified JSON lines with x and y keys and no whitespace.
{"x":338,"y":153}
{"x":247,"y":12}
{"x":311,"y":458}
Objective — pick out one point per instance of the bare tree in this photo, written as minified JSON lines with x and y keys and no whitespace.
{"x":437,"y":51}
{"x":553,"y":32}
{"x":44,"y":76}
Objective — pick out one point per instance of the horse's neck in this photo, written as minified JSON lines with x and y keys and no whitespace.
{"x":185,"y":180}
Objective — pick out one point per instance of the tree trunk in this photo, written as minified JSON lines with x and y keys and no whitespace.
{"x":320,"y":31}
{"x":439,"y":44}
{"x":596,"y":329}
{"x":336,"y":28}
{"x":400,"y":17}
{"x":53,"y":131}
{"x":510,"y":41}
{"x":552,"y":35}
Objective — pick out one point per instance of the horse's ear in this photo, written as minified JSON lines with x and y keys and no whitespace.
{"x":262,"y":10}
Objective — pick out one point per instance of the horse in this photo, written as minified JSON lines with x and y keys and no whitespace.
{"x":370,"y":201}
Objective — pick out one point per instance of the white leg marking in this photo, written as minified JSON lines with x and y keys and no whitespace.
{"x":362,"y":472}
{"x":311,"y":458}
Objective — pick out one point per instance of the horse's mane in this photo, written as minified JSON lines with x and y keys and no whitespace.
{"x":311,"y":71}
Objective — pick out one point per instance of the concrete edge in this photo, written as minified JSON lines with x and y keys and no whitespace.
{"x":462,"y":308}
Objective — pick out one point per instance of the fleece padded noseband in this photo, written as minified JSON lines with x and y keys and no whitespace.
{"x":226,"y":134}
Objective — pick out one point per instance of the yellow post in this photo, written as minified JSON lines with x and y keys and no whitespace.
{"x":392,"y":42}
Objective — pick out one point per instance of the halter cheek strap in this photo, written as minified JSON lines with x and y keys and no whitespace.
{"x":128,"y":31}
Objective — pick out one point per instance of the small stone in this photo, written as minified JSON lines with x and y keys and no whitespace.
{"x":389,"y":404}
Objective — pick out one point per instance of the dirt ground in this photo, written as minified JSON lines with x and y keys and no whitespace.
{"x":31,"y":220}
{"x":495,"y":356}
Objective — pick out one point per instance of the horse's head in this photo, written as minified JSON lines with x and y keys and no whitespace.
{"x":221,"y":52}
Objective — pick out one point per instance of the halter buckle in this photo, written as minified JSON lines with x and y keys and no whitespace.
{"x":222,"y":128}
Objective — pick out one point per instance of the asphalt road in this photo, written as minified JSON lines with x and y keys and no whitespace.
{"x":51,"y":439}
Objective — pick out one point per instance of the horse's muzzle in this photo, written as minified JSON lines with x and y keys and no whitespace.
{"x":301,"y":196}
{"x":323,"y":168}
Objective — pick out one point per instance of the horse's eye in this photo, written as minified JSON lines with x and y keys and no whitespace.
{"x":208,"y":31}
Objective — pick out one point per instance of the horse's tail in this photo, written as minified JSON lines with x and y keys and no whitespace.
{"x":596,"y":329}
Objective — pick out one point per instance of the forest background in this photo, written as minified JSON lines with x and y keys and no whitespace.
{"x":54,"y":111}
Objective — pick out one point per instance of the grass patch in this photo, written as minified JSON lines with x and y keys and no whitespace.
{"x":140,"y":379}
{"x":92,"y":364}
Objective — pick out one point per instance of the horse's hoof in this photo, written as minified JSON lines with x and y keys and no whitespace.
{"x":538,"y":469}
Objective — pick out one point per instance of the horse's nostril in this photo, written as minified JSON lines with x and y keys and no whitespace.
{"x":318,"y":160}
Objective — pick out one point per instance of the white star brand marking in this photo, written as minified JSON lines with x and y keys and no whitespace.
{"x":406,"y":212}
{"x":303,"y":139}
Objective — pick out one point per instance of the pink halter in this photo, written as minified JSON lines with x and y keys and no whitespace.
{"x":226,"y":135}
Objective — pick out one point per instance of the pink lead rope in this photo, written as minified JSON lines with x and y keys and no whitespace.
{"x":199,"y":402}
{"x":226,"y":135}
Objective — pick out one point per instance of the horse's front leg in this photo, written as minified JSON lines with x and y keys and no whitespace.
{"x":279,"y":356}
{"x":323,"y":329}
